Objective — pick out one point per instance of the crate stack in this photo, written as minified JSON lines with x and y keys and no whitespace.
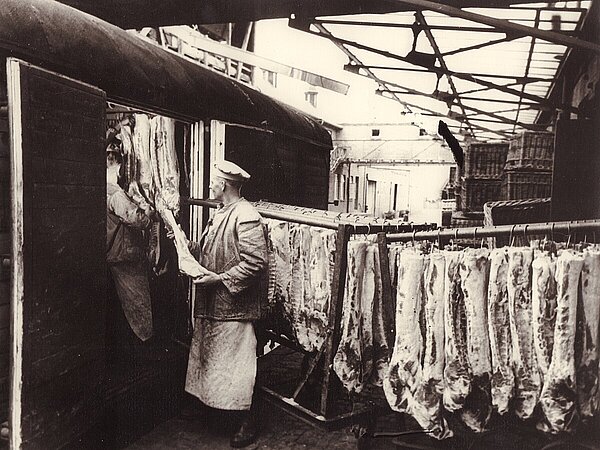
{"x":528,"y":170}
{"x":479,"y":182}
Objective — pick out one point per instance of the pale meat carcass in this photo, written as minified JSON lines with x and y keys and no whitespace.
{"x":428,"y":406}
{"x":348,"y":361}
{"x":318,"y":290}
{"x":457,"y":372}
{"x":477,"y":408}
{"x":163,"y":159}
{"x":404,"y":370}
{"x":186,"y":261}
{"x":280,"y":307}
{"x":382,"y":324}
{"x":587,"y":371}
{"x":503,"y":380}
{"x":559,"y":395}
{"x":543,"y":293}
{"x":527,"y":375}
{"x":300,"y":245}
{"x":141,"y":148}
{"x":130,"y":161}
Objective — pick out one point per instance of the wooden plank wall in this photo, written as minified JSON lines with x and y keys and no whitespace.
{"x":4,"y":271}
{"x":64,"y":217}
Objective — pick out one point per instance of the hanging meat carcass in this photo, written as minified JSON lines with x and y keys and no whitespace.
{"x":503,"y":380}
{"x":428,"y":406}
{"x":320,"y":273}
{"x":589,"y":306}
{"x":527,"y":376}
{"x":312,"y":260}
{"x":382,"y":324}
{"x":163,"y":159}
{"x":543,"y":298}
{"x":477,"y":408}
{"x":457,"y":372}
{"x":143,"y":181}
{"x":559,"y":395}
{"x":403,"y":376}
{"x":350,"y":363}
{"x":280,"y":311}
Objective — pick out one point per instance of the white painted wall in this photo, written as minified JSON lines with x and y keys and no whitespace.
{"x":358,"y":113}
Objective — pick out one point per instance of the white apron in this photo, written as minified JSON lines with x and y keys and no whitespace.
{"x":222,"y":364}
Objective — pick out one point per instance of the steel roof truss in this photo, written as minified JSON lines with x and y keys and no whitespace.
{"x":423,"y":23}
{"x":503,"y":24}
{"x":463,"y":76}
{"x":478,"y":46}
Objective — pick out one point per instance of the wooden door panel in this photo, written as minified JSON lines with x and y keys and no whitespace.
{"x":59,"y":280}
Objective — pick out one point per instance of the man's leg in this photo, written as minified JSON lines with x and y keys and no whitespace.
{"x":249,"y":424}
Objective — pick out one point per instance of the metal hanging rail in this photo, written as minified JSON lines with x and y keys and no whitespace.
{"x":332,"y":223}
{"x":550,"y":228}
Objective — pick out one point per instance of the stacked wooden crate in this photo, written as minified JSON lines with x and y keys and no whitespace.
{"x":479,"y":182}
{"x":528,"y":170}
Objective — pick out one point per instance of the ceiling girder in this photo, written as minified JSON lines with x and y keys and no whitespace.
{"x":353,"y":57}
{"x":517,"y":78}
{"x":502,"y":24}
{"x":470,"y":108}
{"x":436,"y":50}
{"x":440,"y":71}
{"x":323,"y":32}
{"x":527,"y":66}
{"x":478,"y":46}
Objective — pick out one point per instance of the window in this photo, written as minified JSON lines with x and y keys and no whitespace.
{"x":375,"y":132}
{"x":270,"y":77}
{"x":452,"y":178}
{"x":341,"y":187}
{"x":311,"y":97}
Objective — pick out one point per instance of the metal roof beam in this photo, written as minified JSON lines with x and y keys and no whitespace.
{"x":350,"y":55}
{"x":405,"y":25}
{"x":528,"y":65}
{"x":502,"y":24}
{"x":436,"y":50}
{"x":463,"y":76}
{"x":519,"y":79}
{"x":470,"y":108}
{"x":323,"y":32}
{"x":478,"y":46}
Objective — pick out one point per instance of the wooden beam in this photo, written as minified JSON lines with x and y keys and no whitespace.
{"x":503,"y":24}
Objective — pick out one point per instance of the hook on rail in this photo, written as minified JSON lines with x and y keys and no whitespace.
{"x":511,"y":235}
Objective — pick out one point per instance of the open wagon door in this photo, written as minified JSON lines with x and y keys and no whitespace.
{"x":58,"y":188}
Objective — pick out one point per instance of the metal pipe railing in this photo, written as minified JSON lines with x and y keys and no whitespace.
{"x":526,"y":229}
{"x":309,"y":217}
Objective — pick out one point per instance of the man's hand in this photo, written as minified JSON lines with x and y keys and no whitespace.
{"x":210,"y":279}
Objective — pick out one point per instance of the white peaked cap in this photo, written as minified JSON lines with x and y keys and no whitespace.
{"x":230,"y":171}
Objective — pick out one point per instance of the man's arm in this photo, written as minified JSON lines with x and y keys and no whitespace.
{"x":129,"y":213}
{"x":253,"y":255}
